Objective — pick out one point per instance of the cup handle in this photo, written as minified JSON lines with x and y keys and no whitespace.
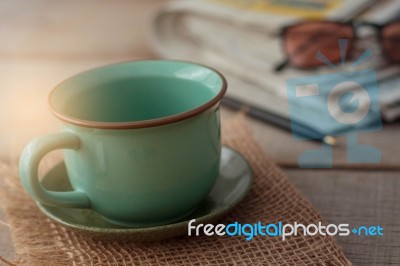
{"x":28,"y":171}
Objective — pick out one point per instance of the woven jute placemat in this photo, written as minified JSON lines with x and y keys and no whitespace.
{"x":39,"y":241}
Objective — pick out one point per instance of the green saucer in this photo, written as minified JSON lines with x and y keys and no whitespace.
{"x":232,"y":185}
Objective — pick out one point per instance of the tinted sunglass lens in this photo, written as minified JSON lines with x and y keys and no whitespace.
{"x":391,"y":41}
{"x":303,"y":41}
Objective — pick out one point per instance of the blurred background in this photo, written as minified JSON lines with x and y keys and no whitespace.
{"x":44,"y":42}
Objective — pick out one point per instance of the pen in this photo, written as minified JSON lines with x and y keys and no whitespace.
{"x":277,"y":120}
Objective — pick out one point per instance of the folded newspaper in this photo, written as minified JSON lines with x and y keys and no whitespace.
{"x":241,"y":38}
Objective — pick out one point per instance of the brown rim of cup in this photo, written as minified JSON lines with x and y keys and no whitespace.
{"x":144,"y":123}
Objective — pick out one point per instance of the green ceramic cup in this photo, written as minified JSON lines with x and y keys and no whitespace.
{"x":141,"y":139}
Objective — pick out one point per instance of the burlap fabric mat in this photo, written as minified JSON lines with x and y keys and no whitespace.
{"x":39,"y":241}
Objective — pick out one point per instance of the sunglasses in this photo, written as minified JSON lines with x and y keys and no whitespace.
{"x":302,"y":41}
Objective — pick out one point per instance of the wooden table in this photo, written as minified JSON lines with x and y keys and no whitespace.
{"x":42,"y":42}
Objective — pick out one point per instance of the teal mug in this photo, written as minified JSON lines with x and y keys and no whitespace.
{"x":141,"y":141}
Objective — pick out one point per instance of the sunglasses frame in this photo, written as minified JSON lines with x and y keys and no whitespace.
{"x":352,"y":23}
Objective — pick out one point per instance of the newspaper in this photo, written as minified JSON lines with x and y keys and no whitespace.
{"x":241,"y":38}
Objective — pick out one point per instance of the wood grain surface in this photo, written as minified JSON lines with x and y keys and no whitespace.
{"x":362,"y":198}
